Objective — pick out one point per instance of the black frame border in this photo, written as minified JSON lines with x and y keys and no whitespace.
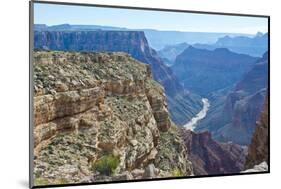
{"x":31,"y":36}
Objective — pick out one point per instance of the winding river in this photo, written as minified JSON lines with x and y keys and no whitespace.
{"x":191,"y":125}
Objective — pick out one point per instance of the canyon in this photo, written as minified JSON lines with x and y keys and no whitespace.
{"x":191,"y":125}
{"x":234,"y":119}
{"x":108,"y":108}
{"x":182,"y":104}
{"x":205,"y":71}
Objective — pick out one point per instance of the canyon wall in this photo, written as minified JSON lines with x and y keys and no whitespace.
{"x":210,"y":157}
{"x":92,"y":107}
{"x":182,"y":104}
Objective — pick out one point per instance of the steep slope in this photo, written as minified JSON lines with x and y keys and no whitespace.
{"x":204,"y":71}
{"x":254,"y":46}
{"x":134,"y":43}
{"x":258,"y":149}
{"x":210,"y":157}
{"x":169,"y":53}
{"x":101,"y":117}
{"x":235,"y":118}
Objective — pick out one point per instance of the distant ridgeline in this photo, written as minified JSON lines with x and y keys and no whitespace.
{"x":251,"y":45}
{"x":182,"y":104}
{"x":157,"y":39}
{"x":254,"y":46}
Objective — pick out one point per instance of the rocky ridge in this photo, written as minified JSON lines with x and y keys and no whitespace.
{"x":92,"y":107}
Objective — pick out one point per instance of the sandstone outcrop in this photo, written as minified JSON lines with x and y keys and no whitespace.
{"x":95,"y":107}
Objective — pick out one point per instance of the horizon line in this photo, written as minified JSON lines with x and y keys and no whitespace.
{"x":183,"y":31}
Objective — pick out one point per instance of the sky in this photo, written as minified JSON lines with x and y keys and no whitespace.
{"x":54,"y":14}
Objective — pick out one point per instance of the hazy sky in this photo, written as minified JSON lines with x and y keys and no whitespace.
{"x":52,"y":14}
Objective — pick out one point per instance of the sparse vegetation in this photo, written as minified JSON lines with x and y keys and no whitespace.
{"x":106,"y":165}
{"x":40,"y":181}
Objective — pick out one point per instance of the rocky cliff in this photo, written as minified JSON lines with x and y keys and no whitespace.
{"x":133,"y":42}
{"x":101,"y":117}
{"x":210,"y":157}
{"x":181,"y":104}
{"x":258,"y":149}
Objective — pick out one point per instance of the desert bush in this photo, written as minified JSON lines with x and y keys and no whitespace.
{"x":106,"y":165}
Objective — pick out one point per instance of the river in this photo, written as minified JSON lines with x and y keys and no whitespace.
{"x":191,"y":125}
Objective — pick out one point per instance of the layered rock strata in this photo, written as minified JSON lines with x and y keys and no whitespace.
{"x":182,"y":104}
{"x":94,"y":106}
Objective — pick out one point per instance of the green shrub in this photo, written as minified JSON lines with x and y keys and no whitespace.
{"x":106,"y":165}
{"x":177,"y":173}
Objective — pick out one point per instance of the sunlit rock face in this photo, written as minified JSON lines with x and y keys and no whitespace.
{"x":182,"y":104}
{"x":96,"y":107}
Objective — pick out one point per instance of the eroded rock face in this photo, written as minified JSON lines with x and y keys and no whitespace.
{"x":173,"y":154}
{"x":211,"y":157}
{"x":258,"y":149}
{"x":182,"y":104}
{"x":90,"y":106}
